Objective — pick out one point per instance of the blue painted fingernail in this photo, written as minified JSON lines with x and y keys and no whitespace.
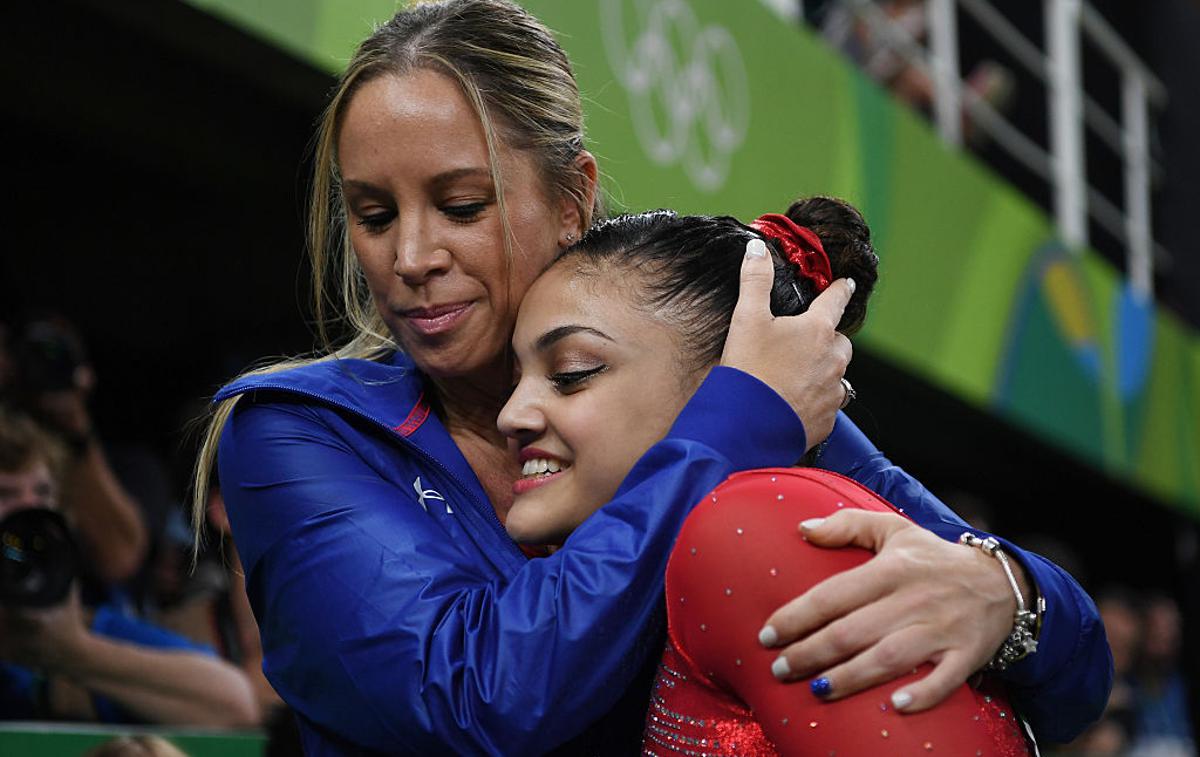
{"x":821,"y":687}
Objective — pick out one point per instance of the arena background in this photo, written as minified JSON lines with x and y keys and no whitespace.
{"x":155,"y":193}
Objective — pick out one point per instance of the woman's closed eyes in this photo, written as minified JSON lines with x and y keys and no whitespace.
{"x":566,"y":382}
{"x":463,"y":212}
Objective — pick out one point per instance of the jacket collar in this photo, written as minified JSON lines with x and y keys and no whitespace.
{"x":390,"y":392}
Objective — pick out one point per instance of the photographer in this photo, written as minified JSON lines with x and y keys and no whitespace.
{"x":67,"y":661}
{"x":52,"y":379}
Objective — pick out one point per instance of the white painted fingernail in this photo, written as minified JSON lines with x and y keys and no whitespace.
{"x":901,"y":699}
{"x":768,"y":637}
{"x":780,"y":668}
{"x":850,"y":283}
{"x":756,"y":248}
{"x":811,"y":523}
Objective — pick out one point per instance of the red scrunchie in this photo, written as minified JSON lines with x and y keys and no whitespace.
{"x":801,"y":245}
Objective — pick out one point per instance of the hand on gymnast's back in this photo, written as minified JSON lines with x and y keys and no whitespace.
{"x":919,"y":599}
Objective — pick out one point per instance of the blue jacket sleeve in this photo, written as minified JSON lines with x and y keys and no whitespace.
{"x":1064,"y":686}
{"x":379,"y":629}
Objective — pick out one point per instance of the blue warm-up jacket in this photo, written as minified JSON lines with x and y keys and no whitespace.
{"x":398,"y":617}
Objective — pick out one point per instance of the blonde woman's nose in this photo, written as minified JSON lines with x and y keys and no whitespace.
{"x":418,"y":258}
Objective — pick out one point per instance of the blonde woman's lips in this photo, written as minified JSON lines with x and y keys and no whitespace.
{"x":437,"y":319}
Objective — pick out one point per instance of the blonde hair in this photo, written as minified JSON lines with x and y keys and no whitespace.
{"x":519,"y":82}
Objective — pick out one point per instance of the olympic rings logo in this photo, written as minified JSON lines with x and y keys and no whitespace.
{"x":689,"y":94}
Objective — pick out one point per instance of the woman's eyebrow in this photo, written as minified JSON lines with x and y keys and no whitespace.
{"x":441,"y":179}
{"x":363,"y":187}
{"x":447,"y":177}
{"x":547,"y":340}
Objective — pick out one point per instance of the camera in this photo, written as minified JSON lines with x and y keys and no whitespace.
{"x":38,"y":558}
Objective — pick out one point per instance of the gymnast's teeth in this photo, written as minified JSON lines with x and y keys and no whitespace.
{"x":541,"y":465}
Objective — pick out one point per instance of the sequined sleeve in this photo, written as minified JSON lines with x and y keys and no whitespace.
{"x":738,"y":558}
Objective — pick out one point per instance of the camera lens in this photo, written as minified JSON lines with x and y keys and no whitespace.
{"x":37,"y":558}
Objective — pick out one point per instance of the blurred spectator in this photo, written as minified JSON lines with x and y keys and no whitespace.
{"x":51,"y":379}
{"x":1147,"y":713}
{"x":209,"y":605}
{"x":846,"y":31}
{"x":1161,"y":726}
{"x":1123,"y":626}
{"x":67,"y":661}
{"x":883,"y":61}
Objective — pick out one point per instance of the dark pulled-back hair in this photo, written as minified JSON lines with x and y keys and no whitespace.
{"x":688,"y":267}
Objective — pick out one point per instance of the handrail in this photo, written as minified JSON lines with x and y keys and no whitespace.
{"x":1032,"y":155}
{"x":1034,"y":61}
{"x":1116,"y":48}
{"x":1025,"y":52}
{"x":1071,"y":111}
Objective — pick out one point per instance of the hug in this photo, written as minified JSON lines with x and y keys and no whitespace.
{"x":540,"y":491}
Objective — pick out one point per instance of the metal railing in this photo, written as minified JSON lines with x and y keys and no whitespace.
{"x":1070,"y":109}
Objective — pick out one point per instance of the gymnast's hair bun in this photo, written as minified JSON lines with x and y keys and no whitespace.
{"x":847,"y":241}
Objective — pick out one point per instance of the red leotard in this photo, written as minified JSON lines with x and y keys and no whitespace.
{"x":738,"y":558}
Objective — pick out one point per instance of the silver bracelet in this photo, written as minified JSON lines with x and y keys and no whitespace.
{"x":1022,"y":642}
